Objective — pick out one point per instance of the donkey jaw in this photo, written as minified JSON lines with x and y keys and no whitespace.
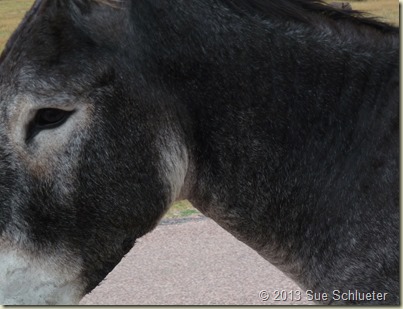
{"x":38,"y":281}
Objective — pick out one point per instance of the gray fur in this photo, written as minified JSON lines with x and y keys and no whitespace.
{"x":278,"y":119}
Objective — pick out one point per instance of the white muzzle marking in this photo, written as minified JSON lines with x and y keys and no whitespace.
{"x":28,"y":280}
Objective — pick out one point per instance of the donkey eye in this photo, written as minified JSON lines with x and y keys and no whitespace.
{"x":51,"y":117}
{"x":47,"y":118}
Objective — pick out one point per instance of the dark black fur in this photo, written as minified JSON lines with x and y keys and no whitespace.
{"x":288,"y":111}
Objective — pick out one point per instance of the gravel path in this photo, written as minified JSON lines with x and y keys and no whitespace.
{"x":192,"y":262}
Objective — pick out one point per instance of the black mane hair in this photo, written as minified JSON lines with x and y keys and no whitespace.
{"x":299,"y":10}
{"x":289,"y":9}
{"x":295,"y":9}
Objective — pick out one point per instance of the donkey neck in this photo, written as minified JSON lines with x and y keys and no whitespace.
{"x":271,"y":144}
{"x":272,"y":136}
{"x":271,"y":112}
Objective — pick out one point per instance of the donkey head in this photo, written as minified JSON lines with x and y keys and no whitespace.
{"x":89,"y":146}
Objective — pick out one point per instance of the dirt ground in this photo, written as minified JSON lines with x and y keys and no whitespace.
{"x":194,"y":262}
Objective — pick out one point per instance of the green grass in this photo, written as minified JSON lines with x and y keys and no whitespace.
{"x":182,"y":209}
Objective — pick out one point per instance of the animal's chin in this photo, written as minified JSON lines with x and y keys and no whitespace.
{"x":39,"y":292}
{"x":46,"y":280}
{"x":35,"y":301}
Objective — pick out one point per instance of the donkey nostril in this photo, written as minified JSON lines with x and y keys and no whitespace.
{"x":47,"y":118}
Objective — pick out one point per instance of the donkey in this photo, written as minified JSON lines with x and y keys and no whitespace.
{"x":277,"y":119}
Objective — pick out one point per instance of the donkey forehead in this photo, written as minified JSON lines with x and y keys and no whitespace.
{"x":53,"y":84}
{"x":26,"y":88}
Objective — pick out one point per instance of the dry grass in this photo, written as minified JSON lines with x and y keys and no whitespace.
{"x":386,"y":10}
{"x":11,"y":13}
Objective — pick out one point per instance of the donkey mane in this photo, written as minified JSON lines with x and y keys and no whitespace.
{"x":299,"y":10}
{"x":295,"y":9}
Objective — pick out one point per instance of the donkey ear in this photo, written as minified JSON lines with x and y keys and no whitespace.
{"x":111,"y":3}
{"x":102,"y":20}
{"x":86,"y":5}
